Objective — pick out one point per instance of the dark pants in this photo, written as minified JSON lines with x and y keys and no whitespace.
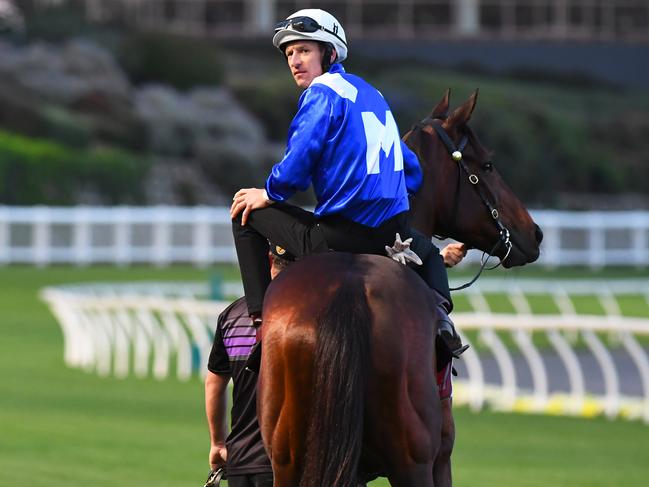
{"x":301,"y":234}
{"x":432,"y":271}
{"x":254,"y":480}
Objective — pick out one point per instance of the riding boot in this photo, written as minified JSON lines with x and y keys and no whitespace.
{"x":254,"y":359}
{"x":433,"y":272}
{"x":448,"y":344}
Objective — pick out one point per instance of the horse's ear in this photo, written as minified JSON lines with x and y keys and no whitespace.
{"x":462,"y":114}
{"x":441,"y":110}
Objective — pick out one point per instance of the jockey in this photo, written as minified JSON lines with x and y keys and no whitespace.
{"x":345,"y":143}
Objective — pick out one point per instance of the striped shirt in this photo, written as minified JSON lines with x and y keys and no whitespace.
{"x":233,"y":341}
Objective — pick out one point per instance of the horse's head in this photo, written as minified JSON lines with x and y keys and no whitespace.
{"x":463,"y":196}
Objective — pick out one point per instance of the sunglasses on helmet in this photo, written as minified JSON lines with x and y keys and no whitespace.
{"x":304,"y":24}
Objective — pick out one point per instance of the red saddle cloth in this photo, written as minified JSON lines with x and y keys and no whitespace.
{"x":444,"y":383}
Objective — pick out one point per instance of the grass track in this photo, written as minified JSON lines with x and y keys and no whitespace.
{"x":67,"y":428}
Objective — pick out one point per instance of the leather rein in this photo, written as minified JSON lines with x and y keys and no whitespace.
{"x":456,"y":154}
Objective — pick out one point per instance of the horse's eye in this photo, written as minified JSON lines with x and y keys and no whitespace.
{"x":487,"y":166}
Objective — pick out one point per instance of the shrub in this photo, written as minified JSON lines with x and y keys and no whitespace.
{"x":35,"y":171}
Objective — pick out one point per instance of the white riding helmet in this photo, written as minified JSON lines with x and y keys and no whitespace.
{"x":312,"y":24}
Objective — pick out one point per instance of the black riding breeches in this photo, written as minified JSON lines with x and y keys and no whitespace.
{"x":432,"y":271}
{"x":254,"y":480}
{"x":301,"y":234}
{"x":282,"y":224}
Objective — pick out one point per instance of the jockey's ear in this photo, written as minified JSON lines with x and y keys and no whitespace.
{"x":334,"y":56}
{"x":462,"y":114}
{"x":441,"y":110}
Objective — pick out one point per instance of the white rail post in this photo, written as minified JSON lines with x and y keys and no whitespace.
{"x":573,"y":369}
{"x":640,"y":239}
{"x":609,"y":373}
{"x":597,"y":251}
{"x":81,"y":236}
{"x":467,"y":17}
{"x":551,"y":246}
{"x":5,"y":247}
{"x":639,"y":357}
{"x":524,"y":341}
{"x":260,"y":16}
{"x":201,"y":237}
{"x":122,"y":236}
{"x":161,"y":236}
{"x":476,"y":390}
{"x":41,"y":238}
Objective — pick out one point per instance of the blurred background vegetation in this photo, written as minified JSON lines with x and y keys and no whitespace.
{"x":106,"y":114}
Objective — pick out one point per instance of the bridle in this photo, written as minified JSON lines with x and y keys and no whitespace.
{"x":456,"y":154}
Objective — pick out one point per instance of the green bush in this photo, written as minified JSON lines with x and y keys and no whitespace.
{"x":177,"y":61}
{"x":35,"y":171}
{"x":66,"y":127}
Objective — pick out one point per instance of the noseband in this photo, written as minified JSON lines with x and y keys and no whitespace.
{"x":456,"y":154}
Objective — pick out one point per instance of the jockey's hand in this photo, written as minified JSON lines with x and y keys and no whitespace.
{"x":246,"y":200}
{"x":218,"y":456}
{"x":453,"y":254}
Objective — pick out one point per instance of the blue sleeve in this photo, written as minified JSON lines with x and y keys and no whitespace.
{"x":306,"y":140}
{"x":412,"y":170}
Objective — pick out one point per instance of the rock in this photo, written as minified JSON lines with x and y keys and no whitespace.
{"x":199,"y":124}
{"x":202,"y":142}
{"x":11,"y":18}
{"x":65,"y":75}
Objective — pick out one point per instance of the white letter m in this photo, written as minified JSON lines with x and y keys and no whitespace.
{"x":381,"y":137}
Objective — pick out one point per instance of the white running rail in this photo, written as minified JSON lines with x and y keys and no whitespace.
{"x":588,"y":356}
{"x":565,"y":362}
{"x":164,"y":235}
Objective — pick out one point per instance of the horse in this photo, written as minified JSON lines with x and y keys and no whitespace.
{"x":347,"y":388}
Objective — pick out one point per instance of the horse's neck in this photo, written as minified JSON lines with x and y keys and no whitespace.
{"x":431,"y":208}
{"x":422,"y":218}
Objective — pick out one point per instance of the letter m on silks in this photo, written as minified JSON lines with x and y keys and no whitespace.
{"x":381,"y":137}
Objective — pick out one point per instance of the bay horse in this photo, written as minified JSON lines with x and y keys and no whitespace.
{"x":347,"y":387}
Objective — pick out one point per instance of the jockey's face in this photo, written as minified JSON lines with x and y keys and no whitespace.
{"x":305,"y":61}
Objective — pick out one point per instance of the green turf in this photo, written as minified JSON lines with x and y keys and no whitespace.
{"x":516,"y":450}
{"x":61,"y":427}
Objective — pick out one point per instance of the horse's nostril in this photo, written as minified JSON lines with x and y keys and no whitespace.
{"x":539,"y":234}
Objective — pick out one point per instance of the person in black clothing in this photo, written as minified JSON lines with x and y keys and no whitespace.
{"x":242,"y":452}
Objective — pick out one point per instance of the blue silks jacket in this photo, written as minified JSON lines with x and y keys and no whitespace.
{"x":345,"y":142}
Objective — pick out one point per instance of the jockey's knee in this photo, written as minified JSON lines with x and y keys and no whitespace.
{"x":236,"y":221}
{"x":238,"y":229}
